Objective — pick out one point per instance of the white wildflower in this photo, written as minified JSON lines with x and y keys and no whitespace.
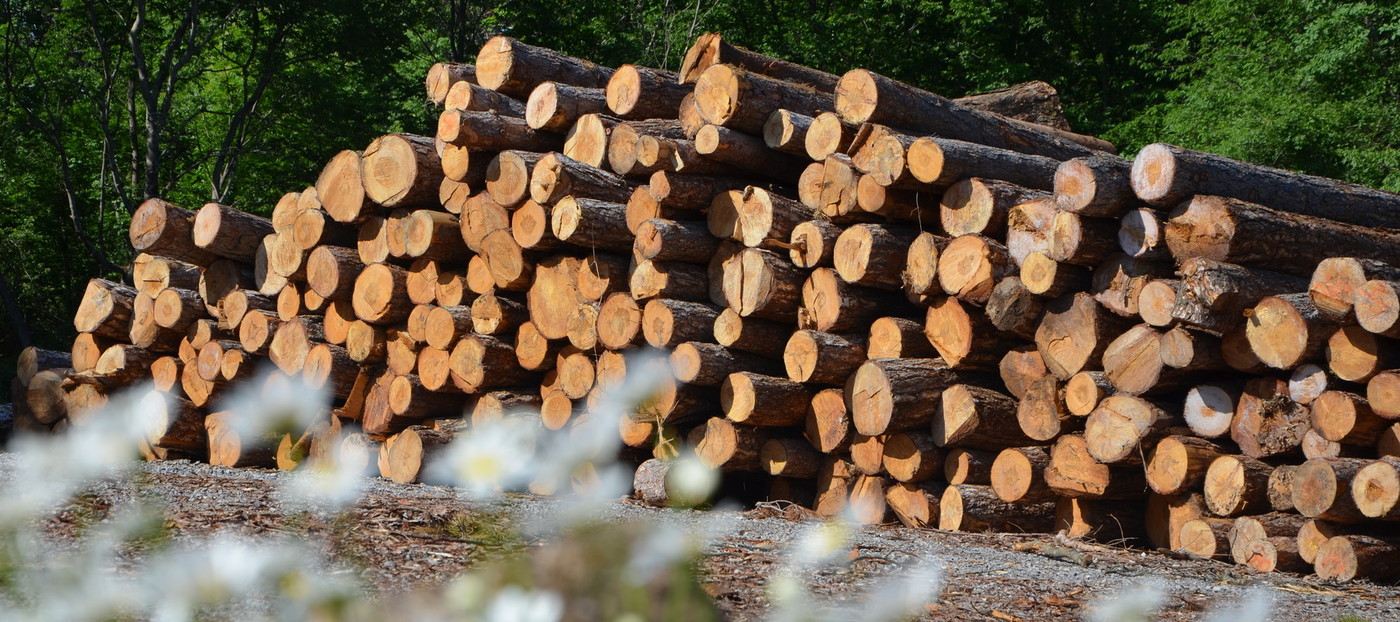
{"x":514,"y":604}
{"x":50,"y":469}
{"x":898,"y":598}
{"x":690,"y":482}
{"x":489,"y":458}
{"x":604,"y":485}
{"x":332,"y":482}
{"x":1256,"y":607}
{"x":661,"y":546}
{"x":275,"y":403}
{"x":223,"y":571}
{"x":790,"y":600}
{"x":822,"y":543}
{"x":1137,"y":603}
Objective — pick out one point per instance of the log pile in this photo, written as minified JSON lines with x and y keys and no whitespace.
{"x":956,"y":313}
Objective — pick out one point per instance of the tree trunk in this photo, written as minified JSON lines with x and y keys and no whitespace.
{"x":1206,"y":538}
{"x":1014,"y":309}
{"x":668,"y":240}
{"x":1074,"y":334}
{"x":745,"y":152}
{"x":105,"y":310}
{"x":229,"y":448}
{"x":556,"y":176}
{"x":970,"y":267}
{"x":413,"y":450}
{"x":1226,"y":229}
{"x":711,"y":49}
{"x":1041,"y":412}
{"x":163,"y":229}
{"x":789,"y":457}
{"x":1343,"y":558}
{"x":1073,"y":472}
{"x":443,"y":76}
{"x":891,"y":395}
{"x":1085,"y":390}
{"x":1047,"y":278}
{"x":1141,"y":234}
{"x":1082,"y":241}
{"x":1178,"y":464}
{"x":759,"y":400}
{"x":555,"y":106}
{"x":1376,"y":489}
{"x":1018,"y":475}
{"x":897,"y":337}
{"x":1020,"y":367}
{"x":1323,"y":488}
{"x":484,"y":362}
{"x":434,"y":236}
{"x":977,"y":508}
{"x":402,"y":171}
{"x":1377,"y":307}
{"x":728,"y":446}
{"x":469,"y":96}
{"x":978,"y":205}
{"x":1098,"y":185}
{"x":754,"y":335}
{"x":786,"y":131}
{"x":823,"y":358}
{"x":733,"y":97}
{"x":1166,"y":175}
{"x":863,"y":96}
{"x":652,"y":279}
{"x":1100,"y":521}
{"x":965,"y":339}
{"x":380,"y":295}
{"x":514,"y":68}
{"x":636,"y":92}
{"x":668,"y":323}
{"x":915,"y":504}
{"x":1266,"y":423}
{"x":1237,"y":485}
{"x":176,"y":423}
{"x":912,"y":457}
{"x":491,"y":131}
{"x":1118,"y":282}
{"x":972,"y":416}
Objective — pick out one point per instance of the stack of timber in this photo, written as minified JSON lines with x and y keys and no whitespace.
{"x":950,"y":313}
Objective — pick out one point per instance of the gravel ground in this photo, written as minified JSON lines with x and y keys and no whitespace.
{"x":395,"y":540}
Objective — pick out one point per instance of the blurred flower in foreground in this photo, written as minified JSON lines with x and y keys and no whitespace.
{"x":275,"y":403}
{"x":690,"y":482}
{"x":897,"y":597}
{"x":822,"y":543}
{"x":1137,"y":603}
{"x":49,"y":469}
{"x":514,"y":604}
{"x":1257,"y":606}
{"x":489,"y":458}
{"x":332,"y":481}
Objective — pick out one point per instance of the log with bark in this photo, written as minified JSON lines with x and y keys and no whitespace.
{"x":1165,"y":175}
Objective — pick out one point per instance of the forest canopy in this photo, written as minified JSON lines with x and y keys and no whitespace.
{"x":107,"y":102}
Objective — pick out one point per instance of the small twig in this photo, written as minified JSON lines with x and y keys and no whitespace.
{"x":440,"y":538}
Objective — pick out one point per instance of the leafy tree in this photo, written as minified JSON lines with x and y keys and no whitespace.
{"x":1307,"y":85}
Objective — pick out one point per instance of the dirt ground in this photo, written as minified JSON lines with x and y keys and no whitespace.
{"x":395,"y":540}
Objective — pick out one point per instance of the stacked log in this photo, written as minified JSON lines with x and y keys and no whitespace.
{"x":951,"y":313}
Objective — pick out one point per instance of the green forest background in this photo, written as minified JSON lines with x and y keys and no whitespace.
{"x":106,"y":102}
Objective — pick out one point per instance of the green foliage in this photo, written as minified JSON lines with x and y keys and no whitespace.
{"x":1303,"y":84}
{"x":242,"y":101}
